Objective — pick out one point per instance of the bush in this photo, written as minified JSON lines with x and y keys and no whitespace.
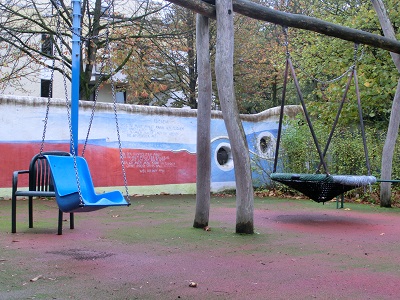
{"x":345,"y":154}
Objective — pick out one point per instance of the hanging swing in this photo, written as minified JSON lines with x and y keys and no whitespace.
{"x":73,"y":184}
{"x":83,"y":198}
{"x":321,"y":187}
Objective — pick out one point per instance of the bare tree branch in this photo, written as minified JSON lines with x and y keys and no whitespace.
{"x":263,"y":13}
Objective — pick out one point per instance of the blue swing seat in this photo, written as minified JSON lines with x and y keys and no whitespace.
{"x":66,"y":187}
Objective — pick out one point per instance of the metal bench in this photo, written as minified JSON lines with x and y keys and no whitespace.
{"x":40,"y":185}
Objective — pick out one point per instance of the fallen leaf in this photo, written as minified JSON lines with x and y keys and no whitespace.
{"x":207,"y":228}
{"x":36,"y":278}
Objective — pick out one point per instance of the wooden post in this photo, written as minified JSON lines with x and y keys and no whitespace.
{"x":230,"y":112}
{"x":394,"y":122}
{"x":203,"y":123}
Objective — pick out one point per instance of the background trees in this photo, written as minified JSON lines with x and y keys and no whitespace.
{"x":259,"y":64}
{"x":153,"y":47}
{"x":27,"y":25}
{"x":165,"y":62}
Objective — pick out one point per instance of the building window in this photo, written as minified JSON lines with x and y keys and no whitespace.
{"x":120,"y":96}
{"x":47,"y":44}
{"x":45,"y":88}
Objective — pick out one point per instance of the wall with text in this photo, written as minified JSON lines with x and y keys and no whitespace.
{"x":158,"y":144}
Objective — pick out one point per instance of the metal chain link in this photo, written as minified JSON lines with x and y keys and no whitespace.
{"x":97,"y":87}
{"x":324,"y":82}
{"x":113,"y":93}
{"x":96,"y":95}
{"x":92,"y":115}
{"x":50,"y":95}
{"x":67,"y":103}
{"x":99,"y":80}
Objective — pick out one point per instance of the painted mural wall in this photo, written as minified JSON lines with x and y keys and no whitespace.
{"x":158,"y":144}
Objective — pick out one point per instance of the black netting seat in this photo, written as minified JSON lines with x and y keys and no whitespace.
{"x":322,"y":187}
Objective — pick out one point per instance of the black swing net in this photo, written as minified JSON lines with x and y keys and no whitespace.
{"x":321,"y":187}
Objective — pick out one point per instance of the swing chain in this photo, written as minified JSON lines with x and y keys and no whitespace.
{"x":100,"y":78}
{"x":46,"y":118}
{"x":67,"y":103}
{"x":323,"y":82}
{"x":313,"y":78}
{"x":286,"y":42}
{"x":356,"y":46}
{"x":96,"y":96}
{"x":113,"y":93}
{"x":50,"y":95}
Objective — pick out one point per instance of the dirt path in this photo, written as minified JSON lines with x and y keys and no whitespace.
{"x":302,"y":250}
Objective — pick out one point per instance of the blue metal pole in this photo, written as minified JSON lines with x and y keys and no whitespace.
{"x":76,"y":59}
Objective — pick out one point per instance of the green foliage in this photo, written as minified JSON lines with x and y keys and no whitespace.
{"x":326,"y":58}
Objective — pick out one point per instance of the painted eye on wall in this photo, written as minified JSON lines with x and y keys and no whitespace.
{"x":223,"y":156}
{"x":266,"y":144}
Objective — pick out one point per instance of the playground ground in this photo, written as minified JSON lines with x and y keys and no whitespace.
{"x":301,"y":250}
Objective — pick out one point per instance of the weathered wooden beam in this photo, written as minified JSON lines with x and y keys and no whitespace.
{"x":203,"y":145}
{"x":198,"y":6}
{"x":237,"y":138}
{"x":263,"y":13}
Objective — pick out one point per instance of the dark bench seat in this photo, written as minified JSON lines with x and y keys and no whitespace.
{"x":40,"y":185}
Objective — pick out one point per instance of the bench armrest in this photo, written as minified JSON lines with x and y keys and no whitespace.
{"x":15,"y":179}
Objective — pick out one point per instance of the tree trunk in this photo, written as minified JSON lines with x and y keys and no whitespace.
{"x":191,"y":60}
{"x":394,"y":122}
{"x":388,"y":150}
{"x":203,"y":124}
{"x":230,"y":112}
{"x":264,"y":13}
{"x":86,"y":69}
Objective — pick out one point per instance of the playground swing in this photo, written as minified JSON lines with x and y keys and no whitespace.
{"x":73,"y":185}
{"x":321,"y":187}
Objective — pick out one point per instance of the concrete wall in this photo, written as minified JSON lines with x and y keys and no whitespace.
{"x":159,"y":144}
